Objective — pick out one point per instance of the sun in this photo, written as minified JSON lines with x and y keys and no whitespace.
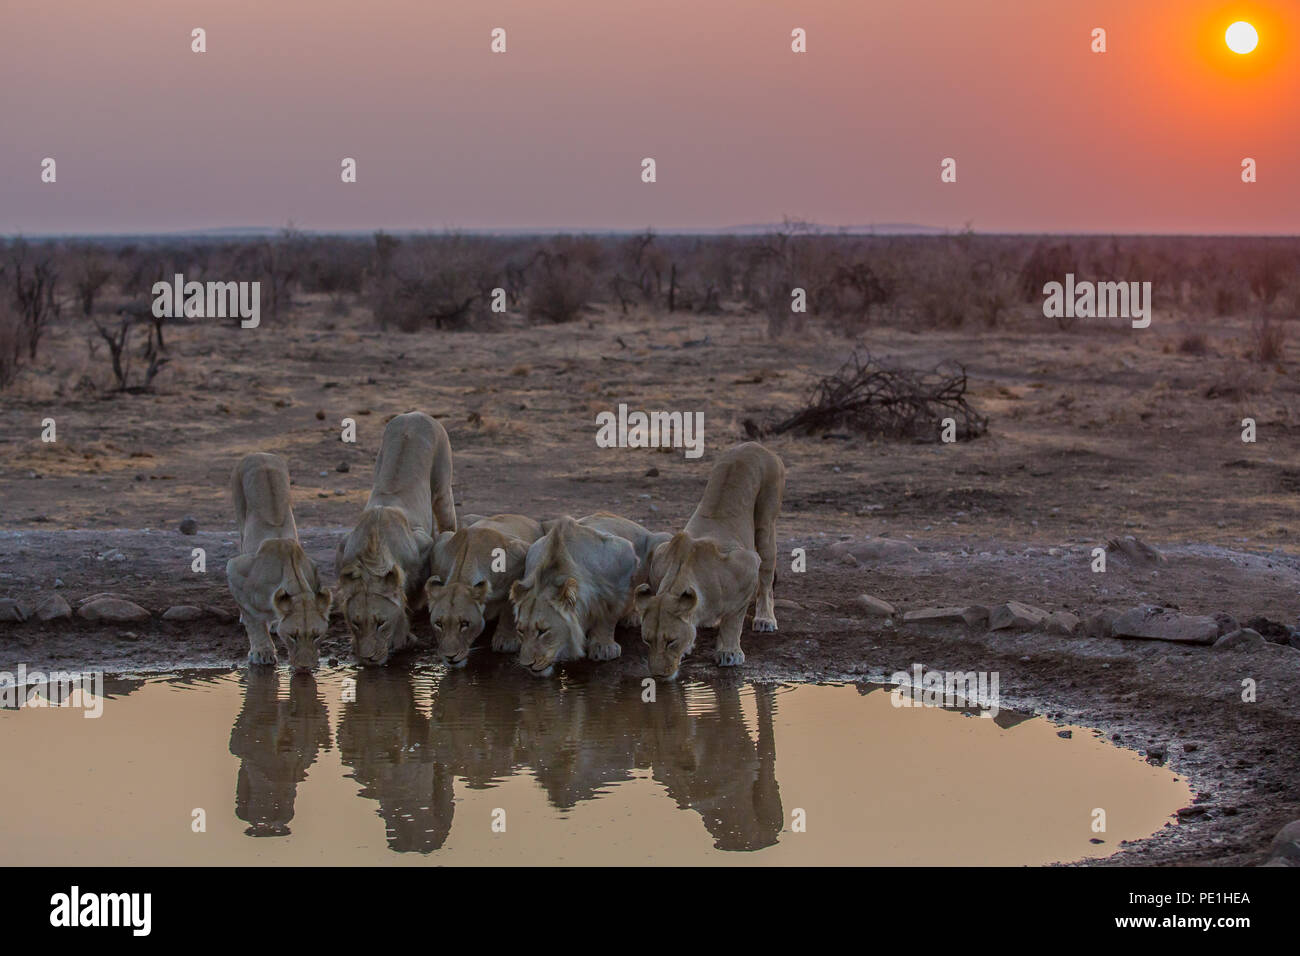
{"x":1241,"y":37}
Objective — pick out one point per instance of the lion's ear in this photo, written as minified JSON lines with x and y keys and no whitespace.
{"x":282,"y":602}
{"x":518,"y":591}
{"x":642,"y":597}
{"x":568,"y":594}
{"x":479,"y":591}
{"x":324,"y":601}
{"x":687,"y":600}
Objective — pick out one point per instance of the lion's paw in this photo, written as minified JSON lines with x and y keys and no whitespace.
{"x":764,"y":624}
{"x":261,"y":656}
{"x":729,"y":658}
{"x":605,"y":652}
{"x":505,"y":644}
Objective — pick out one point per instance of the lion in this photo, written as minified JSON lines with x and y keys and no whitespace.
{"x":381,"y":562}
{"x":275,"y":584}
{"x":643,"y":540}
{"x":469,"y":584}
{"x":707,"y":574}
{"x":577,"y":584}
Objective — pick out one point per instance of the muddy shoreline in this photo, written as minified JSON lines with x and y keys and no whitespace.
{"x":1177,"y":704}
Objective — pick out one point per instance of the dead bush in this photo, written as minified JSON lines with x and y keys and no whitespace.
{"x":880,"y":401}
{"x":561,"y":289}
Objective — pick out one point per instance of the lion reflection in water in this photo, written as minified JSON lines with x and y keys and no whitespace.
{"x":484,"y":724}
{"x":276,"y":741}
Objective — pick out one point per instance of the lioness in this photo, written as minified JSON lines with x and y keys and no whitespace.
{"x":707,"y":574}
{"x":576,"y":585}
{"x":469,"y":584}
{"x":274,"y":583}
{"x":380,"y":562}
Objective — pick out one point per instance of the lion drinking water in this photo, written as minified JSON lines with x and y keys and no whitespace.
{"x":273,"y":581}
{"x":725,"y":558}
{"x":380,"y":562}
{"x":577,"y":583}
{"x":472,"y":570}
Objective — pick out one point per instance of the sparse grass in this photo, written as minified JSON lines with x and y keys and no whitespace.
{"x":1267,"y":340}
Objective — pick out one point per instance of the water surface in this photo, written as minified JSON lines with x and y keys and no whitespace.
{"x":420,"y":766}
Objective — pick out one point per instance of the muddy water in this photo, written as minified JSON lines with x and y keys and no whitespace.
{"x":427,"y":766}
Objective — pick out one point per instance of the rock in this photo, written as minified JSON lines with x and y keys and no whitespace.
{"x":875,"y":549}
{"x":972,"y":615}
{"x":1285,"y":848}
{"x":343,"y":466}
{"x":11,"y":612}
{"x":1135,"y":550}
{"x":189,"y":525}
{"x":652,"y":473}
{"x":220,"y":614}
{"x":1066,"y":734}
{"x":114,"y":610}
{"x":99,"y":594}
{"x":1061,"y":622}
{"x":53,"y":608}
{"x":183,"y":612}
{"x":785,"y":604}
{"x":1101,"y":624}
{"x":320,"y":414}
{"x":849,"y":559}
{"x":874,"y":606}
{"x":1016,"y":616}
{"x":1241,"y":639}
{"x":1162,"y":624}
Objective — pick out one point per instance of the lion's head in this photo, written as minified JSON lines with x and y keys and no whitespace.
{"x":456,"y":613}
{"x":374,"y":608}
{"x":302,"y":606}
{"x":304,"y":622}
{"x":549,"y":622}
{"x":667,"y":627}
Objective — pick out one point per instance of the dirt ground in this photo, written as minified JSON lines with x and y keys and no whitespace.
{"x":1096,"y":432}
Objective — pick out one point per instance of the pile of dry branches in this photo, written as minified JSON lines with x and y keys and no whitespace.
{"x":882,"y":402}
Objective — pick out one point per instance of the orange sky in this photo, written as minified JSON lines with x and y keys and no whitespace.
{"x":1048,"y":136}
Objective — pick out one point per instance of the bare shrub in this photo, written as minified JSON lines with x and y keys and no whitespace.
{"x":879,"y":401}
{"x":33,"y":277}
{"x":562,"y":288}
{"x":445,"y":282}
{"x":1194,"y":343}
{"x":11,"y":345}
{"x":90,"y":275}
{"x":117,"y":334}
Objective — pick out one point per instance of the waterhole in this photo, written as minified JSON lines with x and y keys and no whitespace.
{"x":490,"y":765}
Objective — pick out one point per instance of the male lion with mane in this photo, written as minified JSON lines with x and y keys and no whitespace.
{"x":708,"y":574}
{"x":469,"y":584}
{"x":577,"y":583}
{"x":380,"y":562}
{"x":273,"y":581}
